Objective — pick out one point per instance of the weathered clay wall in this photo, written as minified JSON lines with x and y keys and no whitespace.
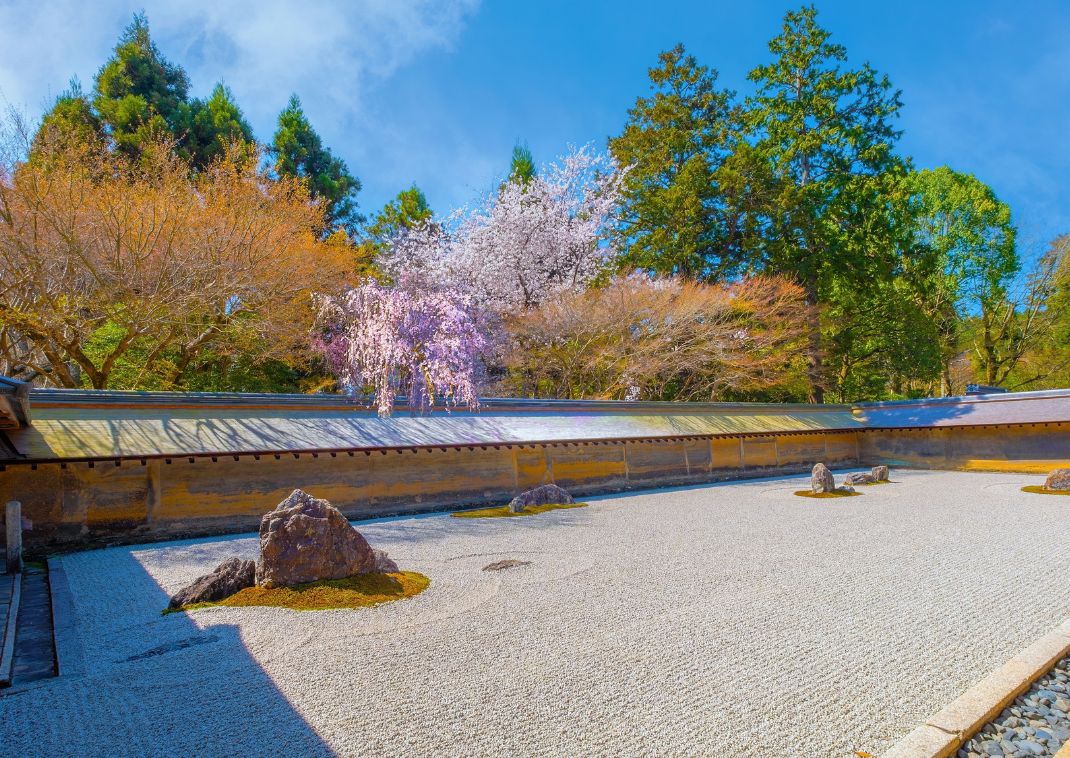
{"x":1024,"y":448}
{"x":81,"y":504}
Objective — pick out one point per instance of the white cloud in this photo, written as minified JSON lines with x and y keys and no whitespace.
{"x":329,"y":51}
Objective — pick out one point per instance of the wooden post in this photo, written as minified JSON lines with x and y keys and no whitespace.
{"x":13,"y":519}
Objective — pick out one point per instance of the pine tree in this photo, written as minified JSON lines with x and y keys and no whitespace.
{"x":299,"y":151}
{"x":138,"y":94}
{"x":70,"y":120}
{"x":407,"y":211}
{"x":826,"y":134}
{"x":677,"y":218}
{"x":522,"y":165}
{"x":216,"y":124}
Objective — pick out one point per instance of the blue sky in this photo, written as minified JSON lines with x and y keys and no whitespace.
{"x":437,"y":93}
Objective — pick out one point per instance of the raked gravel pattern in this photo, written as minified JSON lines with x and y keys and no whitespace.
{"x":734,"y":619}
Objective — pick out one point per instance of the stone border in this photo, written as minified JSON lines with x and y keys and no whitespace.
{"x":7,"y":653}
{"x":947,"y":730}
{"x":70,"y":655}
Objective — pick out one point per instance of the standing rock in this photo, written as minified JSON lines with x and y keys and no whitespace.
{"x":821,"y":479}
{"x":306,"y":539}
{"x":1059,"y":479}
{"x":231,"y":575}
{"x":880,"y":473}
{"x":547,"y":494}
{"x":860,"y":477}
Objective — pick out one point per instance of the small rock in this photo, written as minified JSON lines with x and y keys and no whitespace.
{"x":229,"y":576}
{"x":821,"y":479}
{"x":989,"y":747}
{"x":1059,"y":479}
{"x":384,"y":564}
{"x":860,"y":477}
{"x":546,"y":494}
{"x":880,"y":473}
{"x":1029,"y":747}
{"x":506,"y":564}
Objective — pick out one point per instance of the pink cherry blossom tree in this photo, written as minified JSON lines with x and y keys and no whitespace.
{"x":406,"y":338}
{"x":525,"y":243}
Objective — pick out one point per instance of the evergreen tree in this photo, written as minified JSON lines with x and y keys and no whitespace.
{"x":676,"y":217}
{"x":825,"y":132}
{"x":407,"y":211}
{"x":299,"y":151}
{"x":138,"y":94}
{"x":216,"y":124}
{"x":70,"y":120}
{"x":522,"y":166}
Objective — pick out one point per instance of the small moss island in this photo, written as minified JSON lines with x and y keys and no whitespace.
{"x":1038,"y":489}
{"x":502,"y":511}
{"x":359,"y":591}
{"x":834,"y":493}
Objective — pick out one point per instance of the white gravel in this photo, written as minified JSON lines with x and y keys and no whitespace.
{"x":732,"y":619}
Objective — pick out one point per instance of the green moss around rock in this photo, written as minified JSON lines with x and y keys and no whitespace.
{"x":502,"y":511}
{"x":360,"y":591}
{"x":824,"y":495}
{"x":1037,"y":489}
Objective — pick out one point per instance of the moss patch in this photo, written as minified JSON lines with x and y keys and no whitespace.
{"x":502,"y":511}
{"x":811,"y":493}
{"x":1039,"y":490}
{"x":360,"y":591}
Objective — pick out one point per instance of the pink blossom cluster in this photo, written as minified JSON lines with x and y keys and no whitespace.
{"x":526,"y":242}
{"x":408,"y":337}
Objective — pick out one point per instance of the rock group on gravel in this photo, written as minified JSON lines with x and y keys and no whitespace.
{"x":305,"y":539}
{"x":1059,"y":479}
{"x":1036,"y":724}
{"x":822,"y":480}
{"x":546,"y":494}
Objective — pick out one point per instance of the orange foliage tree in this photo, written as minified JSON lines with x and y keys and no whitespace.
{"x":107,"y":261}
{"x":661,"y":339}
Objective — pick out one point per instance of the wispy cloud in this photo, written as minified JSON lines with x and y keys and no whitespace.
{"x":329,"y":51}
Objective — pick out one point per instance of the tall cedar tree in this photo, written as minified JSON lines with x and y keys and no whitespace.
{"x":299,"y":152}
{"x":522,"y":165}
{"x":140,"y":96}
{"x":217,"y":124}
{"x":826,"y":133}
{"x":674,"y":218}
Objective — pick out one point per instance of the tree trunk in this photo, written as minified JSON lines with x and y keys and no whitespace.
{"x":814,"y":364}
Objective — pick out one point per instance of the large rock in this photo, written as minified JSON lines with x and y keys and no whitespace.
{"x":821,"y":479}
{"x":880,"y":473}
{"x":231,"y":575}
{"x":306,"y":539}
{"x":860,"y":477}
{"x":1059,"y":479}
{"x":546,"y":494}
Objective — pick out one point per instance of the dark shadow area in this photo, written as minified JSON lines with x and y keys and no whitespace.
{"x":180,"y":690}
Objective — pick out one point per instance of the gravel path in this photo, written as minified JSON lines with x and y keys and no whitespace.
{"x":733,"y":619}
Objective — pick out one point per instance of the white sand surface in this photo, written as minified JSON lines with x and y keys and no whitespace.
{"x":733,"y":619}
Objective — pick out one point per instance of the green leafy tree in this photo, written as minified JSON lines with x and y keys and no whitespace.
{"x":971,"y":258}
{"x":299,"y":151}
{"x":139,"y":96}
{"x":825,"y":132}
{"x":676,"y":215}
{"x":406,"y":211}
{"x":216,"y":124}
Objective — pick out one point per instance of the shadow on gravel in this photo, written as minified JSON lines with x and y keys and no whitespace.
{"x":189,"y":687}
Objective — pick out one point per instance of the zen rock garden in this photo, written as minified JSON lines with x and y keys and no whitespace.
{"x":305,"y":540}
{"x":823,"y":482}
